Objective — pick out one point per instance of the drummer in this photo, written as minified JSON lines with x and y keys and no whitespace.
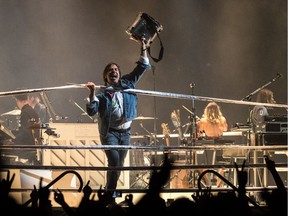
{"x":26,"y":135}
{"x":40,"y":108}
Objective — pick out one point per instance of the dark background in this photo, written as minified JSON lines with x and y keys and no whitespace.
{"x":228,"y":48}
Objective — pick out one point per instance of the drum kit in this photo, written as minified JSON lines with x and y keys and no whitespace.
{"x":11,"y":119}
{"x":180,"y":177}
{"x":15,"y":112}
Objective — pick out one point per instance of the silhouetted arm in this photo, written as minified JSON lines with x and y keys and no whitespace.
{"x":59,"y":198}
{"x":270,"y":164}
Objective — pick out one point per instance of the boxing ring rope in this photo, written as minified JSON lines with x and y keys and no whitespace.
{"x":150,"y":148}
{"x":133,"y":168}
{"x":147,"y":93}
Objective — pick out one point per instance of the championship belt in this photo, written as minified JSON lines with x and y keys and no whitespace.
{"x":144,"y":26}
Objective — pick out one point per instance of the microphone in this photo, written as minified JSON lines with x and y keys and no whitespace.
{"x":55,"y":135}
{"x":51,"y":132}
{"x":279,"y":75}
{"x":192,"y":85}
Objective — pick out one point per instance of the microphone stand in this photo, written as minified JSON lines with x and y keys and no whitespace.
{"x":156,"y":162}
{"x":193,"y":134}
{"x":193,"y":117}
{"x":155,"y":109}
{"x":248,"y":98}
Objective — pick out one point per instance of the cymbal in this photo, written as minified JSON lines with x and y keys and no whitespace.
{"x":12,"y":112}
{"x":144,"y":118}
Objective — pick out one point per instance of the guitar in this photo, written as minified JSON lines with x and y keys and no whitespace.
{"x":166,"y":133}
{"x":175,"y":117}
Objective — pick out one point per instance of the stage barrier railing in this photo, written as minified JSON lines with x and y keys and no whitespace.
{"x":252,"y":162}
{"x":179,"y":183}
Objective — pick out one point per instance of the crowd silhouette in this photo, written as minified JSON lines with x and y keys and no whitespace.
{"x":203,"y":202}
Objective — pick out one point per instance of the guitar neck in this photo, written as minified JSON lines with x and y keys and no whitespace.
{"x":166,"y":133}
{"x":167,"y":140}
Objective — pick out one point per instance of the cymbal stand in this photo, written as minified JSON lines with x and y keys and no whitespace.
{"x":143,"y":176}
{"x":51,"y":112}
{"x":139,"y":178}
{"x":152,"y":138}
{"x":152,"y":141}
{"x":83,"y":111}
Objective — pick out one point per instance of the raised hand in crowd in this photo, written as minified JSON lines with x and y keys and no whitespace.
{"x":8,"y":204}
{"x":89,"y":206}
{"x":160,"y":178}
{"x":202,"y":198}
{"x":151,"y":202}
{"x":270,"y":164}
{"x":34,"y":197}
{"x":59,"y":198}
{"x":5,"y":186}
{"x":242,"y":177}
{"x":87,"y":191}
{"x":277,"y":199}
{"x":45,"y":205}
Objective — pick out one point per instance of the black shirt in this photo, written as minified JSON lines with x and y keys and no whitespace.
{"x":26,"y":134}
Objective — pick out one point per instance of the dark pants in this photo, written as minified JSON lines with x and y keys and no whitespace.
{"x":115,"y":157}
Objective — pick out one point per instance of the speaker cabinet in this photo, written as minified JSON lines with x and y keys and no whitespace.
{"x":271,"y":138}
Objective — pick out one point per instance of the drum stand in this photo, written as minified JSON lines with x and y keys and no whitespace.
{"x":140,"y":178}
{"x":191,"y":158}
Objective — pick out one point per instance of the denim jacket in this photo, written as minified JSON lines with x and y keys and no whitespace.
{"x":104,"y":104}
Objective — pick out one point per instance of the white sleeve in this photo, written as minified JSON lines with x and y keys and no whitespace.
{"x":144,"y":60}
{"x":94,"y":99}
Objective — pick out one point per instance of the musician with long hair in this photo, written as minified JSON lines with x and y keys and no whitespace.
{"x":116,"y":111}
{"x":259,"y":112}
{"x":211,"y":127}
{"x":213,"y":123}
